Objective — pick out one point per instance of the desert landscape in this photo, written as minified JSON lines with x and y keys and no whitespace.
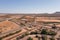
{"x":30,"y":26}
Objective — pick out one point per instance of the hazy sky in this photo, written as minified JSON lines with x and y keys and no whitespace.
{"x":29,"y":6}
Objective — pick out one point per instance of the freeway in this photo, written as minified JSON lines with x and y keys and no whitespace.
{"x":12,"y":31}
{"x":18,"y":34}
{"x":12,"y":36}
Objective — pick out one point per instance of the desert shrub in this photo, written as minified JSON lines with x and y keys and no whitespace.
{"x":34,"y":32}
{"x":54,"y":26}
{"x":22,"y":24}
{"x":36,"y":36}
{"x":17,"y":38}
{"x":52,"y":33}
{"x":22,"y":36}
{"x":44,"y":31}
{"x":27,"y":33}
{"x":52,"y":39}
{"x":30,"y":38}
{"x":0,"y":38}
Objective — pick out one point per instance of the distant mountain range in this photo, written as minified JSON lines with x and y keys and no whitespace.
{"x":56,"y":14}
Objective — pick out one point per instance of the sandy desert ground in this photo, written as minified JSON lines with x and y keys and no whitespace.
{"x":24,"y":26}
